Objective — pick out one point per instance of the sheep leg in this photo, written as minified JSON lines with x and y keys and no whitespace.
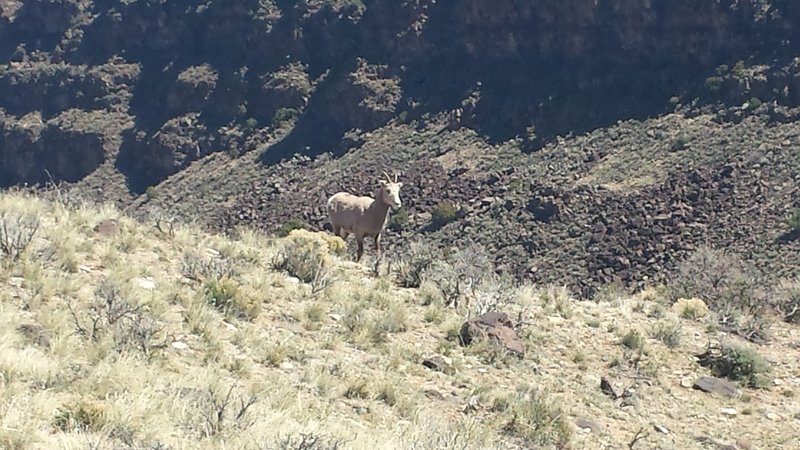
{"x":378,"y":245}
{"x":341,"y":232}
{"x":360,"y":241}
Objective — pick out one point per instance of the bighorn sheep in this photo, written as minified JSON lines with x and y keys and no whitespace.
{"x":364,"y":216}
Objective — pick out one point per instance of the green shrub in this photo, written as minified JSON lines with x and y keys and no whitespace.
{"x":443,"y":213}
{"x":80,"y":416}
{"x":737,"y":363}
{"x":679,"y":143}
{"x":713,"y":84}
{"x":291,"y":225}
{"x":398,"y":220}
{"x":151,"y":193}
{"x":633,"y":340}
{"x":220,"y":293}
{"x":284,"y":115}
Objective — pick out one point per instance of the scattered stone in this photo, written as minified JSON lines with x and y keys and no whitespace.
{"x":497,"y":327}
{"x":437,"y":363}
{"x":85,"y":269}
{"x":434,"y":394}
{"x":107,"y":227}
{"x":661,"y":429}
{"x":16,"y":282}
{"x":293,"y":280}
{"x":335,"y":317}
{"x":146,"y":283}
{"x":589,"y":426}
{"x":729,"y":411}
{"x":772,"y":416}
{"x":686,"y":382}
{"x":606,"y":388}
{"x":178,"y":345}
{"x":716,"y":386}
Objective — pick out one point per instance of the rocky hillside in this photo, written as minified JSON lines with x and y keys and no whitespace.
{"x":586,"y":142}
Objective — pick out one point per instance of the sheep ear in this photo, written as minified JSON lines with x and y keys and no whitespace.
{"x":382,"y":182}
{"x":400,"y":184}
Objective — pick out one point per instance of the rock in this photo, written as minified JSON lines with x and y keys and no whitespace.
{"x":145,"y":283}
{"x":589,"y":425}
{"x":716,"y":386}
{"x":437,"y":363}
{"x":434,"y":394}
{"x":607,"y":388}
{"x":497,"y":327}
{"x":178,"y":345}
{"x":728,"y":411}
{"x":661,"y":429}
{"x":107,"y":227}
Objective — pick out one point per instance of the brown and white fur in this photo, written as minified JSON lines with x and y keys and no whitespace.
{"x":364,"y":216}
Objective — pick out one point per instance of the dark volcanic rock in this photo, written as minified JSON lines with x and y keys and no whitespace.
{"x":496,"y":327}
{"x":67,"y":147}
{"x":193,"y":88}
{"x":178,"y":142}
{"x":716,"y":386}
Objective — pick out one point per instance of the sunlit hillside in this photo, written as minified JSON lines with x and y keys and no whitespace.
{"x":117,"y":334}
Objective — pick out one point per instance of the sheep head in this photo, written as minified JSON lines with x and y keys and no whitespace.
{"x":390,"y":191}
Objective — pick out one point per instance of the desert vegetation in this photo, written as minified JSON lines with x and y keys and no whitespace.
{"x":125,"y":334}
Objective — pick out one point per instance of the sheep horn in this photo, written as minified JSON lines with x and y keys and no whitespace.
{"x":388,"y":178}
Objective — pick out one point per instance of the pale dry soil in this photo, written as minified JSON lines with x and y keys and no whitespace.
{"x":342,"y":363}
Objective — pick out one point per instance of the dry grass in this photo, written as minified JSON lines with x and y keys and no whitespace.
{"x":186,"y":340}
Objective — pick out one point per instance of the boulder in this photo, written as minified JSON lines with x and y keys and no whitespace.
{"x":495,"y":326}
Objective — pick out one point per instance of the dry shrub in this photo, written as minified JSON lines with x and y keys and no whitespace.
{"x":690,"y":308}
{"x":536,"y":419}
{"x":411,"y":263}
{"x":307,"y":255}
{"x":81,"y":415}
{"x":225,"y":295}
{"x":16,"y":233}
{"x":113,"y":315}
{"x":460,"y":274}
{"x":731,"y":289}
